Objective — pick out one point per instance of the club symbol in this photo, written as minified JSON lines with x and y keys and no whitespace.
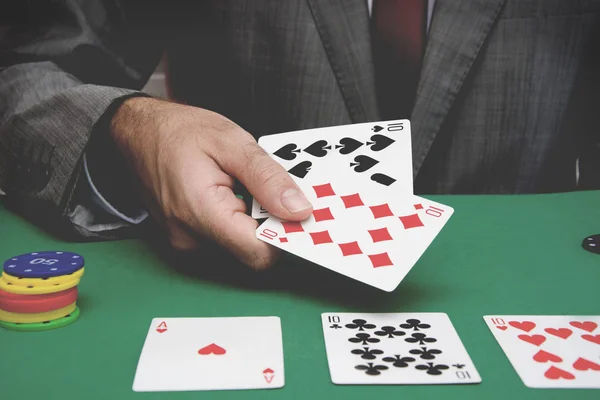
{"x":371,"y":369}
{"x":390,"y":332}
{"x":414,"y":324}
{"x":300,"y":170}
{"x":432,"y":369}
{"x":318,"y":148}
{"x":363,"y":163}
{"x":367,"y":354}
{"x":288,"y":152}
{"x":361,"y":324}
{"x":364,"y":339}
{"x":458,"y":366}
{"x":420,"y":338}
{"x":398,"y":361}
{"x":426,"y":354}
{"x":379,"y":142}
{"x":348,"y":145}
{"x":336,"y":326}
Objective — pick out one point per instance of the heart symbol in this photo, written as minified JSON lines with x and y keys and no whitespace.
{"x":318,"y":148}
{"x":212,"y":349}
{"x":543,"y":357}
{"x":376,"y":128}
{"x":362,"y":163}
{"x":502,"y":328}
{"x":561,"y":332}
{"x":383,"y":179}
{"x":591,"y":338}
{"x":380,"y":142}
{"x":161,"y":330}
{"x":557,"y":373}
{"x":583,"y":365}
{"x":287,"y":152}
{"x":348,"y":145}
{"x":533,"y":339}
{"x":526,"y":326}
{"x":301,"y":169}
{"x":588,"y":326}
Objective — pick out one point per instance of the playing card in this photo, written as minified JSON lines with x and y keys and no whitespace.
{"x":395,"y":348}
{"x":376,"y":156}
{"x":551,"y":351}
{"x":183,"y":354}
{"x":359,"y":235}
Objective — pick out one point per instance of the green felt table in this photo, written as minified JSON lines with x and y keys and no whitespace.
{"x":496,"y":255}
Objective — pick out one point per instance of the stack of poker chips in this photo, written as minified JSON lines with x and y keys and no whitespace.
{"x":38,"y":291}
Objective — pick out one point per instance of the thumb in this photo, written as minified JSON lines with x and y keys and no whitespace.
{"x":268,"y":182}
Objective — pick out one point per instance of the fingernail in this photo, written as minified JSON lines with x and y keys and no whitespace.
{"x":294,"y":201}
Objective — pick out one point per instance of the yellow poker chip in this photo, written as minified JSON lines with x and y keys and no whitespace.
{"x":31,"y":289}
{"x":39,"y":282}
{"x":20,"y":318}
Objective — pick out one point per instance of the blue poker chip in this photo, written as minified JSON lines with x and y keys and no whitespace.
{"x":44,"y":264}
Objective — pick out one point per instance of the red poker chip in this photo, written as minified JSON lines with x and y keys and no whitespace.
{"x":38,"y":303}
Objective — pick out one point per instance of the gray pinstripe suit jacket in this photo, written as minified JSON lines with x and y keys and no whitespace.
{"x":506,"y":102}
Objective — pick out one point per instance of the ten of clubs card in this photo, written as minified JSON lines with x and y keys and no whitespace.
{"x":551,"y":351}
{"x":185,"y":354}
{"x":395,"y":348}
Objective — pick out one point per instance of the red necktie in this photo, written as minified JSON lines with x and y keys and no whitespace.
{"x":398,"y":34}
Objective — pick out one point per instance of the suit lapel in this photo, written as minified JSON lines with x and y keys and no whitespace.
{"x":344,"y":29}
{"x":457,"y":34}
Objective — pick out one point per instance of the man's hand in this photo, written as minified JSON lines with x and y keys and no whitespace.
{"x":187,"y":159}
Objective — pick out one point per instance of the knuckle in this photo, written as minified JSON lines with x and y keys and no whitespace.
{"x":267,"y":174}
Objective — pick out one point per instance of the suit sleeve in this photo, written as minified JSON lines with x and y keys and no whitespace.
{"x":62,"y":65}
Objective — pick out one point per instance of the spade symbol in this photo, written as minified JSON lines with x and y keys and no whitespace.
{"x":287,"y":152}
{"x":348,"y":145}
{"x":300,"y":170}
{"x":318,"y":148}
{"x":380,"y":142}
{"x":362,"y":163}
{"x":383,"y":179}
{"x":376,"y":128}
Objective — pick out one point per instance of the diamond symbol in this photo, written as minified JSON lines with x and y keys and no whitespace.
{"x":380,"y":235}
{"x":322,"y":214}
{"x":53,"y":269}
{"x":380,"y":260}
{"x":321,"y":237}
{"x":291,"y":227}
{"x":411,"y":221}
{"x":349,"y":249}
{"x":283,"y":240}
{"x":323,"y":190}
{"x":28,"y":270}
{"x":352,"y":200}
{"x":418,"y":206}
{"x":11,"y":266}
{"x":382,"y":210}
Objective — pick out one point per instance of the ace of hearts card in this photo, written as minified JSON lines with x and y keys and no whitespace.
{"x":188,"y":354}
{"x":550,"y":351}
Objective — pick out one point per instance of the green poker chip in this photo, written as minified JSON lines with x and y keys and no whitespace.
{"x":42,"y":326}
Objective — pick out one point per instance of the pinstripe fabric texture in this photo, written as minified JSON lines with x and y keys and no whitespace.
{"x":490,"y":113}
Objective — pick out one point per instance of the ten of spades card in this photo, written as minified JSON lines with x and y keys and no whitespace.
{"x":374,"y":156}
